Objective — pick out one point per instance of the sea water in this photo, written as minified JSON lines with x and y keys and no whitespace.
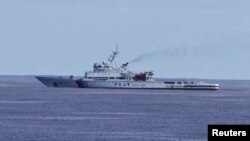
{"x":32,"y":112}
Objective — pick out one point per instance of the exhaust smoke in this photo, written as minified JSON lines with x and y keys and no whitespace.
{"x":172,"y":52}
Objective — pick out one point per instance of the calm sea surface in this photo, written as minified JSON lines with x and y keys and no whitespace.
{"x":32,"y":112}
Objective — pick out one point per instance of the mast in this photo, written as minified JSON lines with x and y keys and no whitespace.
{"x":113,"y":56}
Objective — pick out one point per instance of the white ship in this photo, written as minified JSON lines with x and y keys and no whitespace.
{"x":108,"y":75}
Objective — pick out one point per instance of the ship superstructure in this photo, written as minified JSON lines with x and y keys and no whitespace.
{"x":108,"y":71}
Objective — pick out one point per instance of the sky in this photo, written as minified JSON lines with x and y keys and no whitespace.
{"x":174,"y":38}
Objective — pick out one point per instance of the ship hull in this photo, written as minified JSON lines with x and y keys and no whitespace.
{"x":147,"y":85}
{"x":79,"y":83}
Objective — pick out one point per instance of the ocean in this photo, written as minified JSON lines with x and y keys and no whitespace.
{"x":29,"y":111}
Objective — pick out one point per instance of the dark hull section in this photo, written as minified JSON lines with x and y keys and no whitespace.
{"x":80,"y":84}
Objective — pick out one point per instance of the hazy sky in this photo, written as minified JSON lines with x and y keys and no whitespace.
{"x":175,"y":38}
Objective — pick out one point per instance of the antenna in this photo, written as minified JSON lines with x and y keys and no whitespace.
{"x":114,"y":54}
